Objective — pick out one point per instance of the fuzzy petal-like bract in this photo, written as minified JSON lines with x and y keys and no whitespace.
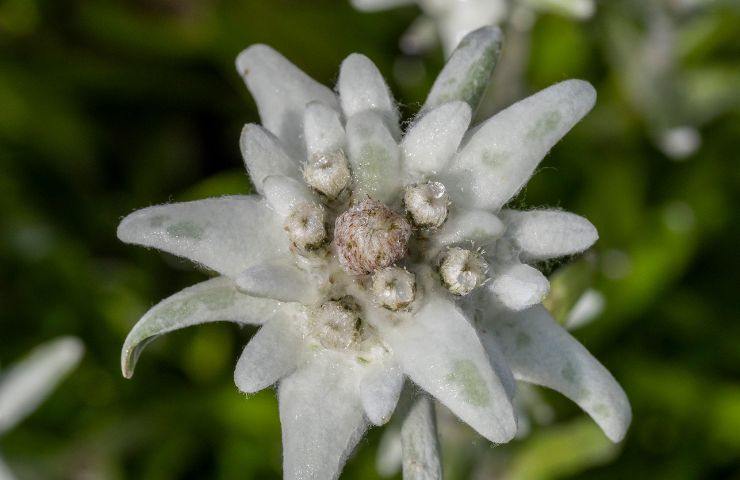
{"x":466,"y":74}
{"x":214,"y":300}
{"x":273,"y":352}
{"x":501,"y":155}
{"x":321,"y":416}
{"x":226,"y":234}
{"x":540,"y":351}
{"x":281,"y":91}
{"x":544,"y":234}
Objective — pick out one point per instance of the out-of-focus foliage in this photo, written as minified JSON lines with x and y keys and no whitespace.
{"x":107,"y":106}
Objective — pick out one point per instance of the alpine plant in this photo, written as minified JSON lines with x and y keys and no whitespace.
{"x":370,"y":255}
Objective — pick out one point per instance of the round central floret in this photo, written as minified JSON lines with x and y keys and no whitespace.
{"x":370,"y":236}
{"x":336,"y":324}
{"x":328,"y":173}
{"x":427,"y":204}
{"x":305,"y":226}
{"x":462,"y":270}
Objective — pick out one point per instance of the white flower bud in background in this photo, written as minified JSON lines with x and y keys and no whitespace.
{"x":427,"y":204}
{"x":305,"y":226}
{"x":327,"y":173}
{"x":462,"y":270}
{"x":335,"y":324}
{"x":369,"y":237}
{"x":394,"y":288}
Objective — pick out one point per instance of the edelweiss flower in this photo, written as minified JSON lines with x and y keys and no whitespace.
{"x":451,"y":20}
{"x":364,"y":250}
{"x":26,"y":384}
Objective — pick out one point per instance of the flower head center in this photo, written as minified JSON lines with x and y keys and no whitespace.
{"x":369,"y":237}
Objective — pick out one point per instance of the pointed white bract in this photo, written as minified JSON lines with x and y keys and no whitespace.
{"x":433,"y":139}
{"x":503,"y":152}
{"x":226,"y":234}
{"x":476,"y":226}
{"x":323,"y":129}
{"x":373,"y":155}
{"x":322,"y":418}
{"x":283,"y":194}
{"x":281,"y":91}
{"x":371,"y":258}
{"x":465,"y":76}
{"x":518,"y":286}
{"x":274,"y":352}
{"x":281,"y":281}
{"x":264,"y":156}
{"x":362,"y":89}
{"x":380,"y":387}
{"x":214,"y":300}
{"x":544,"y":234}
{"x":421,"y":458}
{"x":441,"y":353}
{"x":540,"y":351}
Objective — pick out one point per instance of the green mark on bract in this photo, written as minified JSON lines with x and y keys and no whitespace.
{"x":572,"y":375}
{"x":493,"y":159}
{"x":216,"y":299}
{"x":602,"y":410}
{"x":523,"y":340}
{"x":544,"y":125}
{"x":569,"y":373}
{"x":185,"y":230}
{"x":213,"y":300}
{"x":158,"y":220}
{"x":477,"y":77}
{"x":374,"y":163}
{"x":466,"y":375}
{"x":175,"y":311}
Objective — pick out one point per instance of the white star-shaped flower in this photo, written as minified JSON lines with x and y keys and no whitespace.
{"x":27,"y":383}
{"x":369,"y":256}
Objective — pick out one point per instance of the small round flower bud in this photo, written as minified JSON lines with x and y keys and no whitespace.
{"x":305,"y":226}
{"x":370,"y":236}
{"x":327,"y":173}
{"x":336,"y":324}
{"x":462,"y":270}
{"x":394,"y":288}
{"x":427,"y":204}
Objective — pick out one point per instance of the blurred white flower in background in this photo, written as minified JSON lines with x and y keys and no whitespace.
{"x":372,"y":255}
{"x":31,"y":380}
{"x":450,"y":20}
{"x":650,"y":45}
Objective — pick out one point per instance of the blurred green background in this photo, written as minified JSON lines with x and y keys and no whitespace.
{"x":108,"y":106}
